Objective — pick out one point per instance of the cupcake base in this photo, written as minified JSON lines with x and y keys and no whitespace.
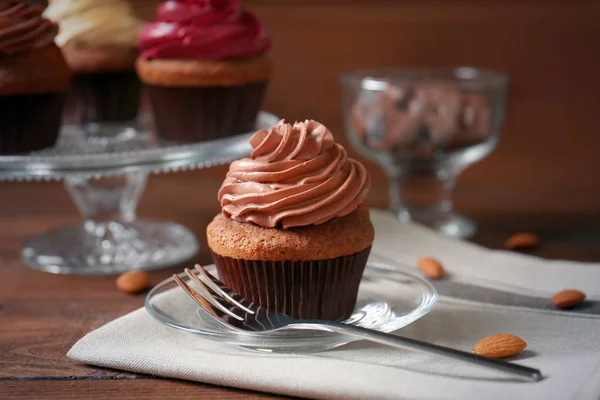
{"x":321,"y":289}
{"x":195,"y":114}
{"x":103,"y":97}
{"x":29,"y":122}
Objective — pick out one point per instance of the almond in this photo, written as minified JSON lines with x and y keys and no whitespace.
{"x":568,"y":298}
{"x":133,"y":281}
{"x":499,"y":346}
{"x":431,"y":267}
{"x":522,"y":240}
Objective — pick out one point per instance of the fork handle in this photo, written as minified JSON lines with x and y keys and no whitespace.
{"x":518,"y":371}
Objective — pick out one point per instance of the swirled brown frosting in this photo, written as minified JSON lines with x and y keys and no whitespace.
{"x":297,"y":175}
{"x":23,"y":28}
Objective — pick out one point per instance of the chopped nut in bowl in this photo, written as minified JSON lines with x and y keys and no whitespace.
{"x":424,"y":127}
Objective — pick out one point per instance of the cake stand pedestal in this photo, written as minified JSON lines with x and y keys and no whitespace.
{"x":105,"y":169}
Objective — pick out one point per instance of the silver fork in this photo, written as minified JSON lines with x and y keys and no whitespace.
{"x":230,"y":308}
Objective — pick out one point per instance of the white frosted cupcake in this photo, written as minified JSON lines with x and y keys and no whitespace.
{"x":99,"y":41}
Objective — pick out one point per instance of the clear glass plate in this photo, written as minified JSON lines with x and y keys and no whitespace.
{"x":99,"y":152}
{"x":391,"y":296}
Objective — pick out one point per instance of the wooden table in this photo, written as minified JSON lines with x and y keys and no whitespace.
{"x":42,"y":315}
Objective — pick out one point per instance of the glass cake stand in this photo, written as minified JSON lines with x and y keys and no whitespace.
{"x":105,"y":168}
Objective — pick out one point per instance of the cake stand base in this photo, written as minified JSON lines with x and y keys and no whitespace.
{"x":446,"y":222}
{"x":99,"y":248}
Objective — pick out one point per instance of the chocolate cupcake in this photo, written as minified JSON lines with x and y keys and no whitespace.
{"x":99,"y":41}
{"x":294,"y":234}
{"x":205,"y":68}
{"x":33,"y":79}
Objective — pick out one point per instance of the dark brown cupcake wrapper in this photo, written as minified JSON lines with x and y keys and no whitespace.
{"x":29,"y":122}
{"x":195,"y":114}
{"x":323,"y":289}
{"x":103,"y":97}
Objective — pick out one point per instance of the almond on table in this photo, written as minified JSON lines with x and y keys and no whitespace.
{"x":522,"y":240}
{"x":133,"y":281}
{"x":431,"y":267}
{"x":499,"y":346}
{"x":568,"y":298}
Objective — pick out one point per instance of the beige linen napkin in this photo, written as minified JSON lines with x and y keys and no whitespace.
{"x":565,"y":346}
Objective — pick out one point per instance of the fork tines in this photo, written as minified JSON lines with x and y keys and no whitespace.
{"x":213,"y":295}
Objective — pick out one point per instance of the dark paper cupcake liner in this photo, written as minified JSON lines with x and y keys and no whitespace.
{"x":323,"y":289}
{"x":103,"y":97}
{"x":29,"y":122}
{"x":198,"y":114}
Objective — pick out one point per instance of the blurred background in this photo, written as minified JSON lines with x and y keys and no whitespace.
{"x":549,"y":141}
{"x":547,"y":162}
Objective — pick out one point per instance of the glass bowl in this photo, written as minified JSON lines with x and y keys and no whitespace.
{"x":424,"y":127}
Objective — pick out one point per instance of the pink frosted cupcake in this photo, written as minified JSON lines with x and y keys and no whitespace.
{"x":205,"y":67}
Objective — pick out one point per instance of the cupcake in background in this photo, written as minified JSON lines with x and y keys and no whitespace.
{"x":294,"y":233}
{"x":33,"y":79}
{"x":99,"y":41}
{"x":205,"y":67}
